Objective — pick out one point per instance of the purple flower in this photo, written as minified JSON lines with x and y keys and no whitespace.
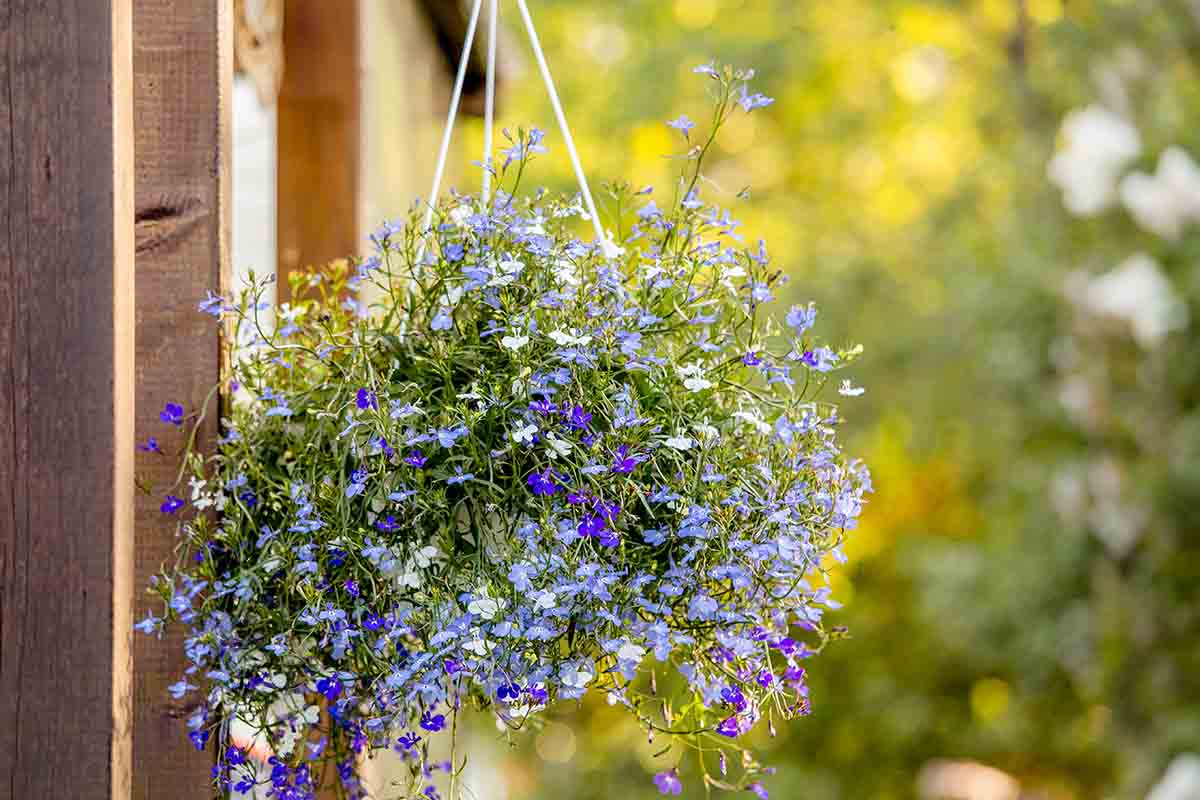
{"x":668,"y":782}
{"x":751,"y":359}
{"x":729,"y":727}
{"x":758,"y":789}
{"x":543,"y":483}
{"x":351,"y":587}
{"x":452,"y":666}
{"x":408,"y":741}
{"x":579,"y":419}
{"x":433,"y":722}
{"x":365,"y":399}
{"x":416,"y":459}
{"x":765,"y":678}
{"x":508,"y":693}
{"x":387,"y":524}
{"x":317,"y":749}
{"x":151,"y":446}
{"x":623,"y":461}
{"x":199,"y":738}
{"x":443,"y":321}
{"x":171,"y":504}
{"x":542,"y":406}
{"x":172,"y":414}
{"x":733,"y":696}
{"x":330,"y":687}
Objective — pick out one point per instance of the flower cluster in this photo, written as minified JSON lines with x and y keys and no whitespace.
{"x":497,"y":465}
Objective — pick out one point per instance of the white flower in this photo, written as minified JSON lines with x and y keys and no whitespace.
{"x":1181,"y":781}
{"x":426,"y":556}
{"x":514,"y":342}
{"x":565,"y":271}
{"x":460,"y":214}
{"x":507,"y":271}
{"x":563,"y":339}
{"x":577,"y":675}
{"x":485,"y":606}
{"x":523,"y":434}
{"x":610,"y":248}
{"x":477,"y":644}
{"x":680,"y":443}
{"x":630,"y":652}
{"x":557,"y":446}
{"x":847,"y":390}
{"x":693,"y":377}
{"x":1165,"y":202}
{"x":755,"y":420}
{"x":409,"y":576}
{"x":1098,"y":144}
{"x":706,"y":431}
{"x":1138,"y":293}
{"x":544,"y":600}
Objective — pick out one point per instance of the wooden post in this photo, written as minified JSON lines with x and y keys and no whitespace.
{"x":318,"y":136}
{"x":183,"y":66}
{"x":66,"y":398}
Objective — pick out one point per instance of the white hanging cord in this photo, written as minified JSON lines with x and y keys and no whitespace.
{"x":455,"y":97}
{"x":562,"y":124}
{"x":489,"y":103}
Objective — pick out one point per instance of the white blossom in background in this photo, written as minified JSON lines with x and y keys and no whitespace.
{"x":1181,"y":780}
{"x":1097,"y":144}
{"x":1165,"y":202}
{"x":1135,"y":292}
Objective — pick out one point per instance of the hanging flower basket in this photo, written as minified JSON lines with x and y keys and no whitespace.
{"x":535,"y":467}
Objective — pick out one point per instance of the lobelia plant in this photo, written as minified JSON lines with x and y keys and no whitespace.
{"x":534,"y":467}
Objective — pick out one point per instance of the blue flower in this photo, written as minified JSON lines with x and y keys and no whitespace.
{"x":151,"y":446}
{"x":801,"y":318}
{"x":433,"y":722}
{"x":668,"y":782}
{"x":416,"y":459}
{"x":171,"y":504}
{"x":459,"y":477}
{"x":682,"y":124}
{"x":543,"y":483}
{"x":212,"y":304}
{"x":365,"y":399}
{"x":172,"y":414}
{"x":443,"y":321}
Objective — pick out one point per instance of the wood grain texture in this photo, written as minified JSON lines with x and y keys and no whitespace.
{"x":66,"y":353}
{"x":183,"y":67}
{"x":319,"y":136}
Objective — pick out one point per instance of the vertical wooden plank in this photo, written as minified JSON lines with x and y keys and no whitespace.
{"x":319,"y":135}
{"x":66,"y":428}
{"x":182,"y":56}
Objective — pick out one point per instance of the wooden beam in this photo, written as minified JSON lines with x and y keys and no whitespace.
{"x":66,"y":398}
{"x":183,"y":66}
{"x":318,"y":136}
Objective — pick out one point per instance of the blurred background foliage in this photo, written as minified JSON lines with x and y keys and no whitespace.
{"x":1023,"y":591}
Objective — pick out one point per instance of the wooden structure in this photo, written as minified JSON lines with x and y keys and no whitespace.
{"x":115,"y":199}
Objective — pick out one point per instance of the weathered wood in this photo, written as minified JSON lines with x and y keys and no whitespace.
{"x":318,"y":136}
{"x":182,"y":57}
{"x":66,"y":400}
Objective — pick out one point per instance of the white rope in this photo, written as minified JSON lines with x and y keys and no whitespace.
{"x":455,"y":98}
{"x":489,"y":117}
{"x":562,"y":124}
{"x":489,"y":103}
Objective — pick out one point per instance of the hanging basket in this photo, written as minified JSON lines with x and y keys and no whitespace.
{"x":538,"y":466}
